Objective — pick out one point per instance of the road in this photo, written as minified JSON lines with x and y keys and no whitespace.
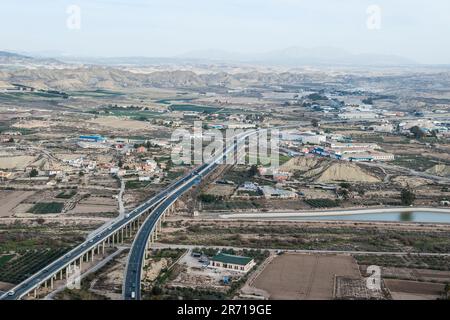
{"x":47,"y":272}
{"x":120,"y":198}
{"x":132,"y":279}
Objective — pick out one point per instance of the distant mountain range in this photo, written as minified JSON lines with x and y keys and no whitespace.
{"x":290,"y":57}
{"x":12,"y":58}
{"x":297,"y":56}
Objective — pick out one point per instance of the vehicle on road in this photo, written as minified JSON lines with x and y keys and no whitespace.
{"x":11,"y":293}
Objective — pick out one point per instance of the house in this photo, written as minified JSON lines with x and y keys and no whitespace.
{"x":248,"y":186}
{"x":141,"y":149}
{"x":5,"y":174}
{"x":231,"y":262}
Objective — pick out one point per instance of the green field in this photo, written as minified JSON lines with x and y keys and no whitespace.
{"x":132,"y":113}
{"x":322,"y":203}
{"x":25,"y":96}
{"x":194,"y":107}
{"x":47,"y":207}
{"x":136,"y":184}
{"x":28,"y":263}
{"x":416,"y":162}
{"x":169,"y":100}
{"x":4,"y":259}
{"x":66,"y":194}
{"x":96,"y":93}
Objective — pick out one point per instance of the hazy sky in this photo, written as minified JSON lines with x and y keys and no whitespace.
{"x":415,"y":29}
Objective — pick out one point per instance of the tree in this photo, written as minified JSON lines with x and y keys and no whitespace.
{"x":447,"y":290}
{"x":434,"y":133}
{"x":157,"y":291}
{"x":407,"y":197}
{"x":33,"y":173}
{"x":417,"y":132}
{"x":344,"y":193}
{"x":345,"y":185}
{"x":252,"y":171}
{"x":315,"y":123}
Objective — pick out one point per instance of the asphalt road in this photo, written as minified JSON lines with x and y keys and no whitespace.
{"x":132,"y":279}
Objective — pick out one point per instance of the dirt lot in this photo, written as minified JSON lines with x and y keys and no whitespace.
{"x":15,"y":162}
{"x":10,"y":199}
{"x":413,"y":290}
{"x":417,"y":274}
{"x":304,"y":277}
{"x":220,"y":190}
{"x":196,"y":275}
{"x":95,"y":205}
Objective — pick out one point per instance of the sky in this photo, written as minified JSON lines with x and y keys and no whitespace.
{"x":415,"y":29}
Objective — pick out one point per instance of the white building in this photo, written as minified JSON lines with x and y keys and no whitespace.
{"x":358,"y":115}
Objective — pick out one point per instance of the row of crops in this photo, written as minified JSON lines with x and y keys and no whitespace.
{"x":47,"y":207}
{"x":322,"y":203}
{"x":27,"y":263}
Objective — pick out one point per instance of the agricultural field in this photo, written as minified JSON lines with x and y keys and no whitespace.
{"x":11,"y":199}
{"x":414,"y":290}
{"x":304,"y":277}
{"x":414,"y":161}
{"x":5,"y":258}
{"x":354,"y":236}
{"x":193,"y":108}
{"x":420,"y":262}
{"x":99,"y":93}
{"x":66,"y":194}
{"x":37,"y":234}
{"x":323,"y":203}
{"x":136,"y":184}
{"x":47,"y":207}
{"x":25,"y":264}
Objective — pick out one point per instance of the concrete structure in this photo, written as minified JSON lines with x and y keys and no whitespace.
{"x":385,"y":127}
{"x":312,"y":138}
{"x":351,"y":145}
{"x":358,"y":115}
{"x":95,"y":138}
{"x":231,"y":262}
{"x":271,"y":193}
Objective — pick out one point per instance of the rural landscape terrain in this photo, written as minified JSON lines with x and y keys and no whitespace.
{"x":363,"y":179}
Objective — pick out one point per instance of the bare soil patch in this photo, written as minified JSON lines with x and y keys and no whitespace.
{"x":304,"y":277}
